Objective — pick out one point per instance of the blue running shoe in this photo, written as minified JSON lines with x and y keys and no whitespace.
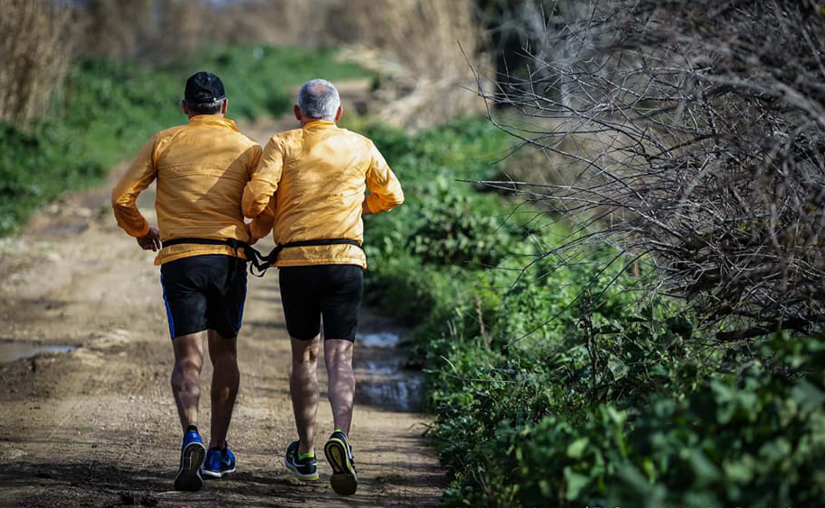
{"x":192,"y":454}
{"x":305,"y":467}
{"x":219,"y":462}
{"x":344,"y":480}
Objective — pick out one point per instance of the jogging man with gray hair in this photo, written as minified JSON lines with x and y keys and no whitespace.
{"x":321,"y":173}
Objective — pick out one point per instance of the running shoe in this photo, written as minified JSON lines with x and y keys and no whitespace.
{"x":304,"y":466}
{"x":192,"y":454}
{"x":344,"y":480}
{"x":219,"y":462}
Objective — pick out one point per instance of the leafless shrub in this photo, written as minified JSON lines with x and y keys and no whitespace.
{"x":35,"y":48}
{"x":421,"y":47}
{"x":117,"y":28}
{"x":705,"y":130}
{"x":145,"y":28}
{"x":276,"y":22}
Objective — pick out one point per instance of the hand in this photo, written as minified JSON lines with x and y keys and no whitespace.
{"x":151,"y":241}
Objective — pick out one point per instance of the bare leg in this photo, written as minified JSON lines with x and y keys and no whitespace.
{"x":303,"y":387}
{"x":185,"y":374}
{"x":338,"y":358}
{"x":225,"y":381}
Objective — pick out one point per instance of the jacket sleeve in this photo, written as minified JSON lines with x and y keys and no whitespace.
{"x":385,"y":189}
{"x":265,"y":178}
{"x":262,"y":224}
{"x":124,"y":196}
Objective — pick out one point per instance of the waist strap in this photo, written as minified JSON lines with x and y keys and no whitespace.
{"x":259,"y":262}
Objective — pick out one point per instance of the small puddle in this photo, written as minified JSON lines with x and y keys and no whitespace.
{"x":380,"y":339}
{"x":379,"y":366}
{"x":11,"y":351}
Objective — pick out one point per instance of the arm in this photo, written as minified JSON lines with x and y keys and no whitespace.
{"x":124,"y":196}
{"x":262,"y":224}
{"x":385,"y":189}
{"x":265,"y":178}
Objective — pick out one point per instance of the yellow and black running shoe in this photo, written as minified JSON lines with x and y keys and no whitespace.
{"x":344,"y":480}
{"x":304,"y":466}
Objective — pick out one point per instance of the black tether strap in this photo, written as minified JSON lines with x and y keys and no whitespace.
{"x":259,"y":262}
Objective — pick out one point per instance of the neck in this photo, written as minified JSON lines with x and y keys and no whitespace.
{"x":219,"y":115}
{"x":305,"y":121}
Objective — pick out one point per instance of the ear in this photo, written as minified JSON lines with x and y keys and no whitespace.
{"x":339,"y":113}
{"x":297,"y":111}
{"x":225,"y":106}
{"x":185,"y":107}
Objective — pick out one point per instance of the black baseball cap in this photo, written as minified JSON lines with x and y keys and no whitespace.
{"x":204,"y":87}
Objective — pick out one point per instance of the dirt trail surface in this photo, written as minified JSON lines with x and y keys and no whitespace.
{"x":98,"y":427}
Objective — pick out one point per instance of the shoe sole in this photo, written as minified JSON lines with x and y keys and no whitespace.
{"x":216,"y":474}
{"x":303,"y":477}
{"x":189,"y":477}
{"x":344,"y":481}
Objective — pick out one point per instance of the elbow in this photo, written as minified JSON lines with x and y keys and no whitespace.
{"x":116,"y":199}
{"x":121,"y":203}
{"x":396,"y":200}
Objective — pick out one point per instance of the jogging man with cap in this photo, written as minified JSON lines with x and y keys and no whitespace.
{"x":321,"y":173}
{"x":201,"y":169}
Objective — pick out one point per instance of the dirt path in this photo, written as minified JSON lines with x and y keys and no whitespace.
{"x":98,"y":427}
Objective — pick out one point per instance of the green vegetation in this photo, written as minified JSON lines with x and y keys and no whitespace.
{"x":108,"y":110}
{"x":553,"y":387}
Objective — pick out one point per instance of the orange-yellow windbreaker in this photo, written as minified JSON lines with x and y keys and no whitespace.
{"x":201,"y":169}
{"x":320,"y":173}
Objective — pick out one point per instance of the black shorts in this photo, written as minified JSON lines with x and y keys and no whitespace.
{"x":205,"y":292}
{"x":331,"y":291}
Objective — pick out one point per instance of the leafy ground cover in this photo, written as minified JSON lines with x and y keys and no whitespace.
{"x":553,"y":384}
{"x":107,"y":110}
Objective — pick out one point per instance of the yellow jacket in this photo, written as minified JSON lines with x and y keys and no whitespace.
{"x":320,"y":173}
{"x":201,"y":169}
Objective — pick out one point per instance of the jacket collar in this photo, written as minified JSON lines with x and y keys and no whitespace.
{"x":215,"y":120}
{"x":318,"y":123}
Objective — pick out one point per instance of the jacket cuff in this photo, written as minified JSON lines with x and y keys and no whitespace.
{"x":142,"y":231}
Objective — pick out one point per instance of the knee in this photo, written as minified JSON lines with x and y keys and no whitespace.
{"x":226,"y":359}
{"x":306,"y":355}
{"x":221,"y":348}
{"x":337,"y":360}
{"x":307,"y":359}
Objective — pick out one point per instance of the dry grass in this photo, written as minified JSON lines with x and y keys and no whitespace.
{"x":412,"y":44}
{"x":35,"y":49}
{"x":143,"y":28}
{"x":417,"y":46}
{"x":275,"y":22}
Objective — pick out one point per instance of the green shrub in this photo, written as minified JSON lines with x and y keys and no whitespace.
{"x":551,"y":383}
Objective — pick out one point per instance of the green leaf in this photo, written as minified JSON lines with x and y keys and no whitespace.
{"x":705,"y":471}
{"x":808,"y":396}
{"x":617,"y":367}
{"x":574,"y":483}
{"x":577,"y":447}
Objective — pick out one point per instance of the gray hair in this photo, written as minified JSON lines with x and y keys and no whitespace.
{"x":319,"y":99}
